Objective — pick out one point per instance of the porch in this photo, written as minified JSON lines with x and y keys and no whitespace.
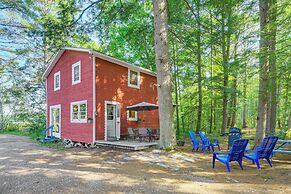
{"x":125,"y":144}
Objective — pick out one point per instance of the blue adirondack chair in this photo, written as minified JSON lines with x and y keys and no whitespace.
{"x":264,"y":151}
{"x":206,"y":144}
{"x":236,"y":153}
{"x":195,"y":141}
{"x":48,"y":138}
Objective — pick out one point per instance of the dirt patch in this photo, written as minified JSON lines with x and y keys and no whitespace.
{"x":26,"y":167}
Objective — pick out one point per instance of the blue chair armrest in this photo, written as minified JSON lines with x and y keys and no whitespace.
{"x":223,"y":153}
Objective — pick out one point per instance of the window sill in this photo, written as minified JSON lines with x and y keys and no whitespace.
{"x":84,"y":121}
{"x":133,"y":86}
{"x":132,"y":120}
{"x":75,"y":83}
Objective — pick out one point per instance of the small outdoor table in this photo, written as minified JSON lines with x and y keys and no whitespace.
{"x":281,"y":148}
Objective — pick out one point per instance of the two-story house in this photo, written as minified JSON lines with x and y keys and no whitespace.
{"x":88,"y":92}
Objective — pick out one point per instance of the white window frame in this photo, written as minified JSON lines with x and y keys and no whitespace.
{"x":73,"y":66}
{"x":138,"y":79}
{"x":71,"y":112}
{"x":55,"y":75}
{"x":132,"y":119}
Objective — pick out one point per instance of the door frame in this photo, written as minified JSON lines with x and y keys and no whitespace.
{"x":105,"y":117}
{"x":60,"y":124}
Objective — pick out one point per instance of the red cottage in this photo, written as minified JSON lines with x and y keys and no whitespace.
{"x":88,"y":92}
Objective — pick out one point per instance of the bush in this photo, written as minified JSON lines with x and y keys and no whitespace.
{"x":288,"y":134}
{"x":18,"y":127}
{"x":25,"y":124}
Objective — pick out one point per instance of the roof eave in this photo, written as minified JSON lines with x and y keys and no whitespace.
{"x":57,"y":56}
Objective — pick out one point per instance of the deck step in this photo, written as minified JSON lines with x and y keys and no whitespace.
{"x":128,"y":145}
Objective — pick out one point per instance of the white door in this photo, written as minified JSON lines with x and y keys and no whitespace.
{"x":113,"y":121}
{"x":55,"y":119}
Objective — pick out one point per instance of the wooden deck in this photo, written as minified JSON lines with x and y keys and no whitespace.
{"x":129,"y":145}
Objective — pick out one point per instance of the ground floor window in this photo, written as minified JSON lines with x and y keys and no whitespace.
{"x":131,"y":115}
{"x":79,"y":112}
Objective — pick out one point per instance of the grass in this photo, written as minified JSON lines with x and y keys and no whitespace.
{"x":20,"y":133}
{"x":34,"y":136}
{"x":55,"y":145}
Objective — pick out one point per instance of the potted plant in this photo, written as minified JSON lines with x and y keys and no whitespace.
{"x":139,"y":120}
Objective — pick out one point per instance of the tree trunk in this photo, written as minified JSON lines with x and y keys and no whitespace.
{"x":234,"y":103}
{"x":286,"y":106}
{"x":234,"y":87}
{"x":272,"y":68}
{"x":225,"y":55}
{"x":263,"y":60}
{"x":176,"y":91}
{"x":198,"y":38}
{"x":211,"y":77}
{"x":244,"y":116}
{"x":167,"y":133}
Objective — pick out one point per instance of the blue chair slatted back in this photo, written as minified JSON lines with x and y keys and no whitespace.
{"x":193,"y":139}
{"x":237,"y":150}
{"x":204,"y":139}
{"x":267,"y":146}
{"x":50,"y":129}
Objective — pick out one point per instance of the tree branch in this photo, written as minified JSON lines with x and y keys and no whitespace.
{"x":7,"y":7}
{"x":194,"y":14}
{"x":14,"y":26}
{"x":84,"y":10}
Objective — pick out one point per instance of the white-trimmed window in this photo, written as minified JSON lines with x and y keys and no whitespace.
{"x":76,"y":73}
{"x":79,"y":112}
{"x":133,"y":78}
{"x":57,"y":81}
{"x":131,"y":115}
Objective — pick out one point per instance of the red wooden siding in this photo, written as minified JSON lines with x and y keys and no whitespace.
{"x":82,"y":132}
{"x":112,"y":85}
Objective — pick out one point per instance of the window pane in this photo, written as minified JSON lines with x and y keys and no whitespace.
{"x":75,"y":115}
{"x":132,"y":114}
{"x":82,"y":114}
{"x":110,"y":112}
{"x":57,"y":81}
{"x":133,"y":78}
{"x":75,"y":108}
{"x":83,"y":107}
{"x":76,"y":72}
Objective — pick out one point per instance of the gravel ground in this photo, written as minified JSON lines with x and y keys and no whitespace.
{"x":27,"y":167}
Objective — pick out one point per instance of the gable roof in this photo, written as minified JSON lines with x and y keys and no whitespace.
{"x":116,"y":61}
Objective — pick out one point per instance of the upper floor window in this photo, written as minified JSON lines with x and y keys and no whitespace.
{"x":79,"y":112}
{"x":57,"y":81}
{"x":131,"y":115}
{"x":133,"y":78}
{"x":76,"y":73}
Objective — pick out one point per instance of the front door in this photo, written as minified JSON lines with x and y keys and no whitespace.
{"x":112,"y":121}
{"x":55,"y":119}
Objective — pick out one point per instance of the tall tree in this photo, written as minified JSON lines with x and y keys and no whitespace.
{"x":167,"y":133}
{"x":226,"y":27}
{"x":272,"y":103}
{"x":264,"y":67}
{"x":199,"y":66}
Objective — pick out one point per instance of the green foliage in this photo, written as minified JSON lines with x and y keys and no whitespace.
{"x":32,"y":31}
